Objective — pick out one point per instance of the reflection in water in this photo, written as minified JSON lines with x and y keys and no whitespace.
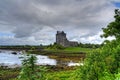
{"x":14,"y":60}
{"x":45,"y":60}
{"x":7,"y":59}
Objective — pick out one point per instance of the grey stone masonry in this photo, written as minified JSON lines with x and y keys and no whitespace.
{"x":61,"y":39}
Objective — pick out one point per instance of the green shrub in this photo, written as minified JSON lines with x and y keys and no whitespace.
{"x":30,"y":71}
{"x":56,"y":47}
{"x":102,"y":64}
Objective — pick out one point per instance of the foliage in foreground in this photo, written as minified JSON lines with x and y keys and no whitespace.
{"x":30,"y":71}
{"x":104,"y":64}
{"x":61,"y":75}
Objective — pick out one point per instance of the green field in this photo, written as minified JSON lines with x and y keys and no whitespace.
{"x":72,"y":50}
{"x":78,"y":49}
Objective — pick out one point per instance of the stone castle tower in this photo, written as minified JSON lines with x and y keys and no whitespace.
{"x":61,"y":39}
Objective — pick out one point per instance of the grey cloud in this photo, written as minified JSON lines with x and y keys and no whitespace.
{"x":26,"y":18}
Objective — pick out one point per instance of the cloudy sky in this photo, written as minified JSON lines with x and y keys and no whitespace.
{"x":35,"y":22}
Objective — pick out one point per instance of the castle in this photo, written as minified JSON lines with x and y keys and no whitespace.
{"x":62,"y":40}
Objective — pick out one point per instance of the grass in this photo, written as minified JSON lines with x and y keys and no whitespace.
{"x":71,"y":50}
{"x":78,"y":49}
{"x":7,"y":74}
{"x":12,"y":74}
{"x":61,"y":75}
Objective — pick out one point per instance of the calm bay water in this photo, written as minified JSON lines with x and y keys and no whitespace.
{"x":14,"y":60}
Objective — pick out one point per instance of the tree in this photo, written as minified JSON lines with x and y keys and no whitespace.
{"x":113,"y":29}
{"x":104,"y":63}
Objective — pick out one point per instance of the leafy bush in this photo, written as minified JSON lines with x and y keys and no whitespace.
{"x":102,"y":64}
{"x":56,"y":47}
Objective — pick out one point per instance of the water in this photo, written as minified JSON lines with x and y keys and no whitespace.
{"x":8,"y":59}
{"x":75,"y":64}
{"x":14,"y":60}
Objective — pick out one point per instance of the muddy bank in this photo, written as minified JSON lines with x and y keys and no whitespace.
{"x":64,"y":56}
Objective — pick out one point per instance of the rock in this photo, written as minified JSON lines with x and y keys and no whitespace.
{"x":14,"y":53}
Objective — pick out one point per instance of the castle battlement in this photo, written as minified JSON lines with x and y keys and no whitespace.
{"x":61,"y":39}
